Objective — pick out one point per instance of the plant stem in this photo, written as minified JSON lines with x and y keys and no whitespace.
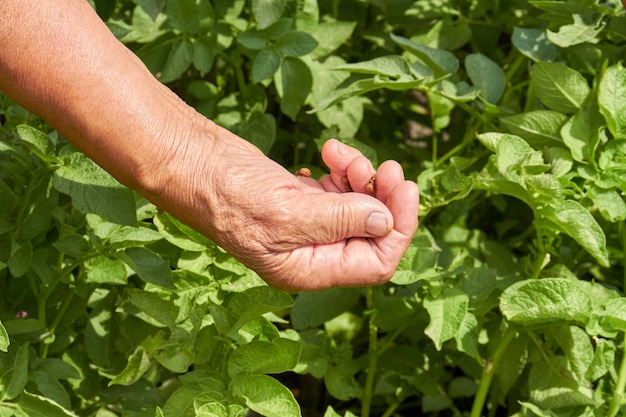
{"x":392,"y":408}
{"x":618,"y":392}
{"x":56,"y":321}
{"x":488,"y":371}
{"x":368,"y":393}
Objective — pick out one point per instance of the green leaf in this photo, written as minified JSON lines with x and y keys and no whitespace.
{"x":540,"y":128}
{"x":73,"y":245}
{"x":393,"y":66}
{"x":38,"y":142}
{"x":267,"y":12}
{"x":153,"y":305}
{"x":559,"y":87}
{"x":447,"y":313}
{"x":149,"y":266}
{"x":21,"y":257}
{"x":265,"y":64}
{"x":609,"y":202}
{"x":295,"y":43}
{"x":181,"y":401}
{"x":260,"y":357}
{"x":106,"y":270}
{"x":580,"y":132}
{"x":4,"y":339}
{"x":183,"y":15}
{"x":179,"y":59}
{"x":14,"y":380}
{"x":38,"y":406}
{"x":576,"y":33}
{"x":330,"y":35}
{"x":312,"y":309}
{"x":259,"y":129}
{"x":603,"y":359}
{"x":94,"y":191}
{"x":254,"y":302}
{"x":533,"y":43}
{"x":486,"y":75}
{"x":544,"y":301}
{"x":137,"y":365}
{"x":571,"y":218}
{"x":611,"y":91}
{"x":614,"y":314}
{"x":265,"y":395}
{"x":295,"y":85}
{"x":440,"y":61}
{"x":51,"y":388}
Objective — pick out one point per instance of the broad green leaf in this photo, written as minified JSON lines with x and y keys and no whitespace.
{"x":94,"y":191}
{"x":106,"y":270}
{"x":50,"y":388}
{"x":533,"y":43}
{"x":486,"y":75}
{"x":267,"y":12}
{"x":552,"y":385}
{"x":295,"y":43}
{"x":312,"y":309}
{"x":580,"y":31}
{"x":265,"y":64}
{"x":544,"y":301}
{"x":613,"y":156}
{"x":540,"y":128}
{"x":615,"y":314}
{"x":4,"y":339}
{"x":252,"y":39}
{"x":265,"y":395}
{"x":181,"y":401}
{"x":203,"y":55}
{"x":38,"y":406}
{"x":560,"y":88}
{"x":610,"y":203}
{"x":571,"y":218}
{"x":175,"y":351}
{"x":295,"y":85}
{"x":603,"y":359}
{"x":330,"y":35}
{"x":580,"y":132}
{"x":612,"y":88}
{"x":38,"y":142}
{"x":447,"y":313}
{"x":183,"y":15}
{"x":21,"y":257}
{"x":178,"y":60}
{"x":125,"y":236}
{"x":137,"y":365}
{"x":577,"y":347}
{"x":148,"y":265}
{"x":260,"y":357}
{"x":393,"y":66}
{"x":510,"y":366}
{"x":73,"y":245}
{"x":254,"y":302}
{"x":14,"y":380}
{"x":180,"y":234}
{"x":7,"y":202}
{"x":152,"y":305}
{"x":259,"y":129}
{"x":440,"y":61}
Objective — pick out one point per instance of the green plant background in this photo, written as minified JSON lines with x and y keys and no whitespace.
{"x":510,"y":115}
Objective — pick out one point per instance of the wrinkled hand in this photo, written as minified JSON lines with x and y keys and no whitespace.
{"x":296,"y":232}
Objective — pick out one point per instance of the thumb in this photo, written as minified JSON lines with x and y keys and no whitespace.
{"x":333,"y":217}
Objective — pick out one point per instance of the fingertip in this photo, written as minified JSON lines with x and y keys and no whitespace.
{"x":403,"y":202}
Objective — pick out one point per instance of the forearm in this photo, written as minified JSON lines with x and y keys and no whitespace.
{"x":58,"y":59}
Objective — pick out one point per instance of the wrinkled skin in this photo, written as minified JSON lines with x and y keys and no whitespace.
{"x":58,"y":59}
{"x":296,"y":232}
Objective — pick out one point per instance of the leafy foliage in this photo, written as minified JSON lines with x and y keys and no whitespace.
{"x":511,"y":117}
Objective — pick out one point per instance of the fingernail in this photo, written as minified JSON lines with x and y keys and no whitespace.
{"x":376,"y":224}
{"x":341,"y":148}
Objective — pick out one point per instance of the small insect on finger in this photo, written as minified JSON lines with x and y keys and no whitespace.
{"x":371,"y":185}
{"x":303,"y":172}
{"x":346,"y":184}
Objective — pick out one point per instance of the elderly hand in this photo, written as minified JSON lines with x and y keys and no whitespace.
{"x":296,"y":232}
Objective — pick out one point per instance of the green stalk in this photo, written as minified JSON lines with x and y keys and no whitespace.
{"x":488,"y":371}
{"x":618,"y":392}
{"x":368,"y":393}
{"x":56,"y":321}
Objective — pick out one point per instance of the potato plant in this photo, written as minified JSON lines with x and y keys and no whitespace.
{"x":510,"y":115}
